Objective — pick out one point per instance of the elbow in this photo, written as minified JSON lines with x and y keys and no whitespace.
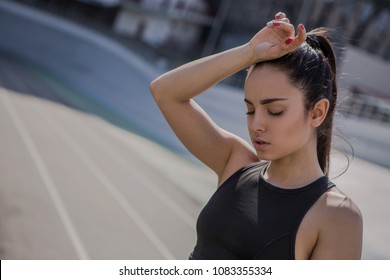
{"x":163,"y":92}
{"x":154,"y":89}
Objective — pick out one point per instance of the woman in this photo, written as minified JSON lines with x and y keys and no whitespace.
{"x":274,"y":199}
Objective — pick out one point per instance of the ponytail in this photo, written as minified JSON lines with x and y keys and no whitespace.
{"x":324,"y":49}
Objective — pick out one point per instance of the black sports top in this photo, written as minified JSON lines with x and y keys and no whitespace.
{"x":248,"y":218}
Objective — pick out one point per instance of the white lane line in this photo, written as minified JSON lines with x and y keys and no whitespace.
{"x":145,"y":181}
{"x":110,"y":187}
{"x":151,"y":186}
{"x":45,"y":175}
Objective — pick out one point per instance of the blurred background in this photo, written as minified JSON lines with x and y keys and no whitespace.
{"x":90,"y":170}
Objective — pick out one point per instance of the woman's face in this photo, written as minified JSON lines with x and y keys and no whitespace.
{"x":277,"y":121}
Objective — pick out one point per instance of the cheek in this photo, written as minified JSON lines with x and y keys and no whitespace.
{"x":295,"y":126}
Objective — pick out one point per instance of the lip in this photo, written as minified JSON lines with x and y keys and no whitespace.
{"x":260,"y":144}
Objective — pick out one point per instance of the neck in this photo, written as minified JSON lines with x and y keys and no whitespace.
{"x":294,"y":171}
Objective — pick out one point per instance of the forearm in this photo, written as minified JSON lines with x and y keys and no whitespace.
{"x":191,"y":79}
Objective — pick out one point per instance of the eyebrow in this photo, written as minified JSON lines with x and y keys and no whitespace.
{"x":266,"y":101}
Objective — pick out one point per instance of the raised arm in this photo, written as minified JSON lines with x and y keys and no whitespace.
{"x":174,"y":91}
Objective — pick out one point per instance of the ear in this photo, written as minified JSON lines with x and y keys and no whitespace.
{"x":319,"y":112}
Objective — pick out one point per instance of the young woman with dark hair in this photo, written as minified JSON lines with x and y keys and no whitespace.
{"x":274,"y":200}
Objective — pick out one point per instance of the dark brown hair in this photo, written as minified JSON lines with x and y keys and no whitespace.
{"x":312,"y":68}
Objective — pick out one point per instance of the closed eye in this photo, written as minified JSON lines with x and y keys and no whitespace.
{"x":275,"y":114}
{"x":250,"y":112}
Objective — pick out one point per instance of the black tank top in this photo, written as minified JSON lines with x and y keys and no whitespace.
{"x":248,"y":218}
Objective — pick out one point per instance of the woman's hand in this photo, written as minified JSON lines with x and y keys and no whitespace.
{"x":276,"y":39}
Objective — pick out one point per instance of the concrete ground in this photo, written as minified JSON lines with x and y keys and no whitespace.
{"x":74,"y":186}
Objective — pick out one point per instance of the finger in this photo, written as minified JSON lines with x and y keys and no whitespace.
{"x":301,"y":37}
{"x":285,"y":20}
{"x":285,"y":27}
{"x":280,"y":15}
{"x":279,"y":23}
{"x":295,"y":42}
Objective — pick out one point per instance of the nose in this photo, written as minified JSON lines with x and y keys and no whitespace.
{"x":256,"y":123}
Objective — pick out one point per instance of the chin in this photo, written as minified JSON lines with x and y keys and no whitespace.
{"x":268,"y":156}
{"x":264,"y":156}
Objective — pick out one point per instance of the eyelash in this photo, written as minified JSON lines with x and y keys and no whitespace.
{"x":269,"y":112}
{"x":275,"y":114}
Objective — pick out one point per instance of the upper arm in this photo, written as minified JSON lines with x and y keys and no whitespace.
{"x":341,"y":233}
{"x":201,"y":136}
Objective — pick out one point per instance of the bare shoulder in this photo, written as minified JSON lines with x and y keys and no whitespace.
{"x":338,"y":207}
{"x":341,"y":228}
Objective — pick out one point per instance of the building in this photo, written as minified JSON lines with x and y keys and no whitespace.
{"x":172,"y":23}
